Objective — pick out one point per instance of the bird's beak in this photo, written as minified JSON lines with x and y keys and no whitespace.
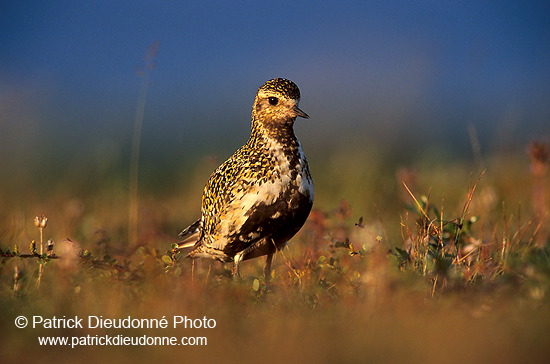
{"x":300,"y":113}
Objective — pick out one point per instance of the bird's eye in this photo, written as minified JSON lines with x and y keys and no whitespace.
{"x":273,"y":100}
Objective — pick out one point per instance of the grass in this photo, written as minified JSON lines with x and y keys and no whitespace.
{"x":429,"y":263}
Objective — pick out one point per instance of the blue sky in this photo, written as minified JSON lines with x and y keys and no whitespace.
{"x":385,"y":70}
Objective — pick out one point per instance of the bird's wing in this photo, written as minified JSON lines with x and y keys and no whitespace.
{"x":228,"y":196}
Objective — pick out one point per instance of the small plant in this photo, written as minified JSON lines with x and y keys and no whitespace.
{"x":41,"y":222}
{"x":436,"y":248}
{"x":171,"y":258}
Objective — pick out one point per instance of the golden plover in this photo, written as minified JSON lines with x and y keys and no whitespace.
{"x":262,"y":195}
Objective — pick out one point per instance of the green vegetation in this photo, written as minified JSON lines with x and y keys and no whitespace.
{"x":436,"y":262}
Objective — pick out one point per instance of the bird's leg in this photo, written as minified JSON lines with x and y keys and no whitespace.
{"x":268,"y":260}
{"x":267,"y":269}
{"x":238,"y":258}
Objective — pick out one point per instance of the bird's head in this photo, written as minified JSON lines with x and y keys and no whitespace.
{"x":276,"y":103}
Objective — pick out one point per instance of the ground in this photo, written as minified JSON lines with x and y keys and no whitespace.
{"x":432,"y":262}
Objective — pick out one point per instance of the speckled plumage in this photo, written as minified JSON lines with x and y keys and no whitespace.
{"x":261,"y":196}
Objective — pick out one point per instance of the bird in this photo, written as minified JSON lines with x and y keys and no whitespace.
{"x":260,"y":197}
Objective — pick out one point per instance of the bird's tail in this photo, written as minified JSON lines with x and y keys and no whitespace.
{"x":186,"y":245}
{"x":190,"y":235}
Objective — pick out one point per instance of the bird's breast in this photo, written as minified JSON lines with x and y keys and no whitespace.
{"x":288,"y":173}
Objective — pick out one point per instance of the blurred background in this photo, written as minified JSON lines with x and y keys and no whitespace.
{"x":388,"y":85}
